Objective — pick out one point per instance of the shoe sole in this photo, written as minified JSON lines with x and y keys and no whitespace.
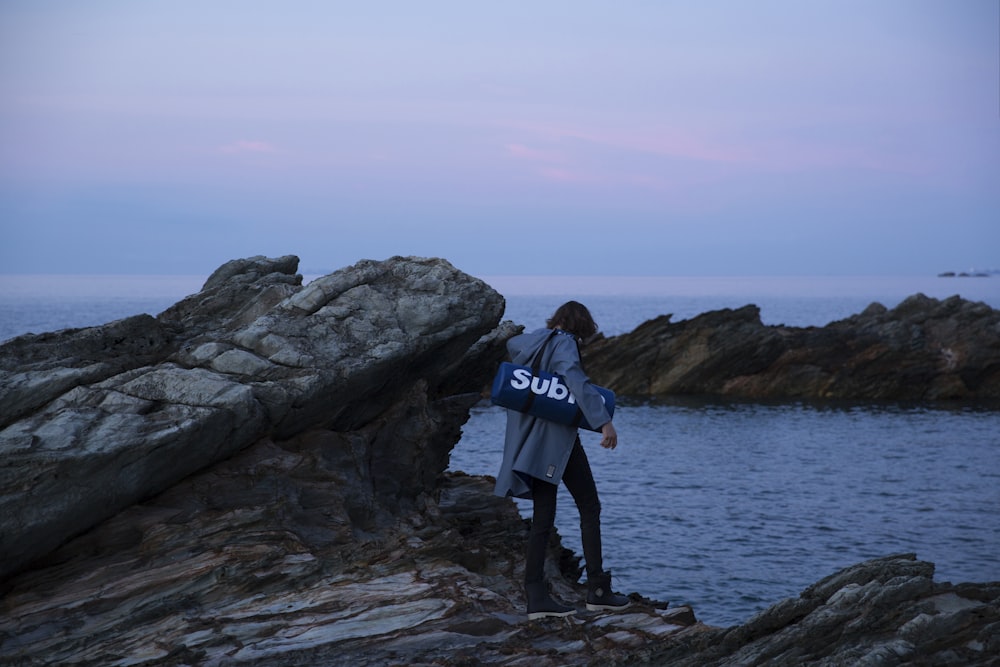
{"x":534,"y":616}
{"x":606,"y":607}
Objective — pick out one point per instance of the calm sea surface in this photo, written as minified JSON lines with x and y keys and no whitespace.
{"x":727,"y":506}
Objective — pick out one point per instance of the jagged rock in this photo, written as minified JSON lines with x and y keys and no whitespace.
{"x":250,"y":270}
{"x":235,"y":295}
{"x":886,"y":611}
{"x":97,"y":419}
{"x":38,"y":368}
{"x":922,"y":349}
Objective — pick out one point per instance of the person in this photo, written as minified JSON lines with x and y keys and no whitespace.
{"x":539,"y":454}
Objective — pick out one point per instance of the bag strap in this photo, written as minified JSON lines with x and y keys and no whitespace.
{"x":536,"y":362}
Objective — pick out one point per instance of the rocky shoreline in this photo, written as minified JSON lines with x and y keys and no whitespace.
{"x":257,"y":477}
{"x":923,"y":349}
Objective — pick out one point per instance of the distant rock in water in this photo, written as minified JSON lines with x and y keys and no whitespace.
{"x":968,"y":274}
{"x":924,"y":349}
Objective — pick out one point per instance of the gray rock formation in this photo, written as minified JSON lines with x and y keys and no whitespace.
{"x":887,"y":611}
{"x":97,"y":419}
{"x":924,"y":349}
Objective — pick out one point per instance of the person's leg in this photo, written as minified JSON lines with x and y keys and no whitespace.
{"x":543,"y":518}
{"x":540,"y":603}
{"x":579,"y":479}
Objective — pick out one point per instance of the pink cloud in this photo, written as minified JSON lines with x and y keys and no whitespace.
{"x":563,"y":175}
{"x":787,"y":156}
{"x":578,"y":166}
{"x":534,"y":154}
{"x":658,"y":141}
{"x":670,"y":143}
{"x":696,"y":144}
{"x":244,"y":146}
{"x":552,"y":165}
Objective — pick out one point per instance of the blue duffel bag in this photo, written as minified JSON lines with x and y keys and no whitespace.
{"x":542,"y":394}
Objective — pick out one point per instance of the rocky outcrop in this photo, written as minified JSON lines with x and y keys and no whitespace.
{"x":97,"y":419}
{"x":887,"y":611}
{"x":300,"y":553}
{"x":924,"y":349}
{"x":296,"y":570}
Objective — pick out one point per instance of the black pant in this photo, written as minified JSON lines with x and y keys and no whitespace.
{"x":580,"y":481}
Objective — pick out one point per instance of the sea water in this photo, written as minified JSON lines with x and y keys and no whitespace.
{"x":732,"y":506}
{"x":729,"y":506}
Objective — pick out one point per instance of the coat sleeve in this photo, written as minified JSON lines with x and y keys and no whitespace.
{"x":565,"y":361}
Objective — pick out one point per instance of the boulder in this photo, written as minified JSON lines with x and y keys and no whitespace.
{"x":97,"y":419}
{"x":924,"y":349}
{"x":886,"y":611}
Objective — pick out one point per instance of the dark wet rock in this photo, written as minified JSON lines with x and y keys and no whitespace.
{"x":284,"y":555}
{"x":887,"y":611}
{"x":924,"y":349}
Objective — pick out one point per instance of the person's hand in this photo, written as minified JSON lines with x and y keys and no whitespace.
{"x":610,"y":439}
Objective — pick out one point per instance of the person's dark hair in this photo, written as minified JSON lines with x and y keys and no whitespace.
{"x":573,"y":317}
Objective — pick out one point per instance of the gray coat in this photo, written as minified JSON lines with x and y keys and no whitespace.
{"x":537,"y":447}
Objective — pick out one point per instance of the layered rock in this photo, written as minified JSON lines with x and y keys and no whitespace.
{"x":298,"y":553}
{"x":887,"y":611}
{"x":97,"y":419}
{"x":218,"y":572}
{"x":924,"y":349}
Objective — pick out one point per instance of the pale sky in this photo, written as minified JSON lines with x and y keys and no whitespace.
{"x":602,"y":138}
